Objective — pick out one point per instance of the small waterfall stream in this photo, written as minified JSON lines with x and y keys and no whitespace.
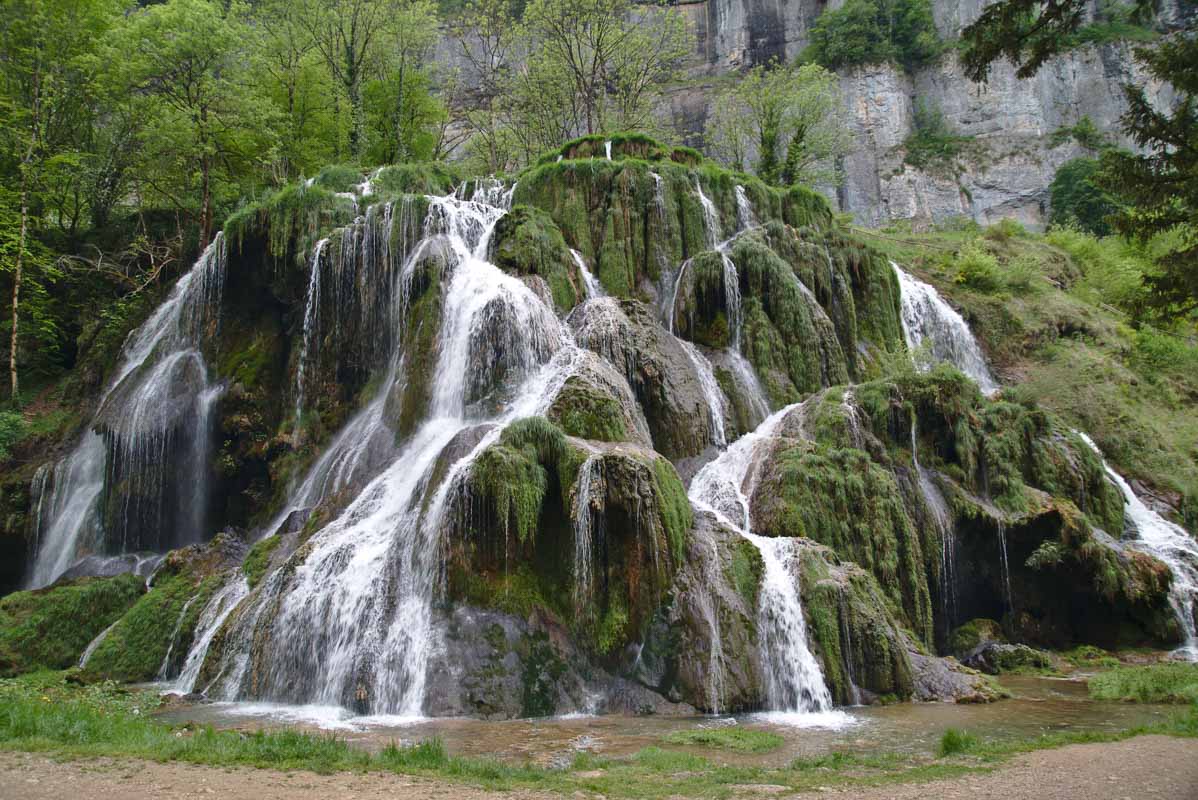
{"x":794,"y":680}
{"x":1169,"y":542}
{"x":930,"y":322}
{"x":590,"y":282}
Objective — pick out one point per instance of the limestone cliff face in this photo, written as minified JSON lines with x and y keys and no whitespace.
{"x":1005,"y":171}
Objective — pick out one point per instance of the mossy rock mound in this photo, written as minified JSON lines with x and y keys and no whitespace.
{"x":976,"y":632}
{"x":663,"y":377}
{"x":527,"y":242}
{"x":152,"y":639}
{"x":50,"y":628}
{"x":596,"y":403}
{"x":852,"y":630}
{"x":538,"y":509}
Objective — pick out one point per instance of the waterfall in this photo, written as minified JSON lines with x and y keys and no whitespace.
{"x":145,"y":452}
{"x":164,"y":669}
{"x":794,"y":681}
{"x":590,"y":475}
{"x":593,"y":287}
{"x":929,"y":321}
{"x":716,"y":404}
{"x":94,"y":644}
{"x":942,"y":520}
{"x":311,"y":318}
{"x":1005,"y":567}
{"x":607,"y":149}
{"x":1168,"y":542}
{"x":705,"y":598}
{"x":211,"y":618}
{"x":357,"y":612}
{"x":744,"y":210}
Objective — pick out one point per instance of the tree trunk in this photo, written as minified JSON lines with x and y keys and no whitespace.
{"x":26,"y":164}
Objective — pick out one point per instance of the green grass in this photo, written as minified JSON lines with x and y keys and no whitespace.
{"x":955,"y":742}
{"x":733,"y":737}
{"x":1156,"y":683}
{"x":43,"y":712}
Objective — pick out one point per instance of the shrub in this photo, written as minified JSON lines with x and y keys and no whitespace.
{"x":955,"y":742}
{"x":977,"y":268}
{"x":1077,"y":199}
{"x":932,"y":146}
{"x":12,"y":429}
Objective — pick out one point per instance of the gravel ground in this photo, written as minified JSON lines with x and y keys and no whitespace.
{"x":1136,"y":769}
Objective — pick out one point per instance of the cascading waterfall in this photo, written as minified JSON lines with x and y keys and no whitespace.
{"x":94,"y":644}
{"x":705,"y":600}
{"x":590,"y":475}
{"x":1005,"y":567}
{"x":1171,"y":544}
{"x":211,"y":618}
{"x":593,"y":287}
{"x":357,"y":614}
{"x":164,"y":669}
{"x":794,"y":680}
{"x":311,"y":321}
{"x":146,"y":449}
{"x":941,"y":518}
{"x":716,"y":404}
{"x":929,"y":321}
{"x":744,"y":210}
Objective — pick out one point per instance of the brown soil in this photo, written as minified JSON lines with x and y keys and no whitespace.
{"x":1144,"y":767}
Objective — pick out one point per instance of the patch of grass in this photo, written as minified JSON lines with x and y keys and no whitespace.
{"x":258,"y":559}
{"x":732,"y":737}
{"x":955,"y":742}
{"x":1155,"y":683}
{"x":45,"y":713}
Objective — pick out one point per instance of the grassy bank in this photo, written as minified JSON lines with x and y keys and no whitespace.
{"x":44,"y":712}
{"x":1156,"y":683}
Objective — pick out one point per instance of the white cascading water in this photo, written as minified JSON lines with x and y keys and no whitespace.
{"x":357,"y":615}
{"x":942,"y":520}
{"x":1168,"y":542}
{"x":155,"y":411}
{"x":211,"y":618}
{"x":311,"y":321}
{"x":794,"y":680}
{"x":590,"y":479}
{"x":929,"y":321}
{"x":94,"y":644}
{"x":593,"y":287}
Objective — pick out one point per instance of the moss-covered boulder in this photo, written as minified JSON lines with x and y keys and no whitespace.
{"x":527,"y":242}
{"x":663,"y":377}
{"x":596,"y":403}
{"x":590,"y":538}
{"x":852,"y":629}
{"x":50,"y":628}
{"x":152,"y":639}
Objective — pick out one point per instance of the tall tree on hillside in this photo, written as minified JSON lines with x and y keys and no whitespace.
{"x":789,"y":117}
{"x":42,"y":44}
{"x":183,"y":60}
{"x":1158,"y":187}
{"x":486,"y":35}
{"x":609,"y":55}
{"x":350,"y":35}
{"x":412,"y":33}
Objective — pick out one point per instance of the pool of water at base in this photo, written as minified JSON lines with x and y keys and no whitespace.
{"x":1038,"y":706}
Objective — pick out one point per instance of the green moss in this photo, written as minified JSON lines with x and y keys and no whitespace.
{"x":258,"y":559}
{"x":139,"y":642}
{"x":588,"y":413}
{"x":527,"y":242}
{"x":736,"y":737}
{"x":973,"y":633}
{"x":424,"y":178}
{"x":745,"y":570}
{"x":612,"y":629}
{"x":290,"y":220}
{"x":676,"y":515}
{"x":50,"y":628}
{"x":339,"y":177}
{"x":542,"y":668}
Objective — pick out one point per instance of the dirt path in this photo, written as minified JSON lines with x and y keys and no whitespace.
{"x":1137,"y":769}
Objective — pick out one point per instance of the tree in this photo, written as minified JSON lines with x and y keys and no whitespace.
{"x":182,"y":60}
{"x":1158,"y":187}
{"x":1078,"y":200}
{"x":608,"y":56}
{"x":486,"y":34}
{"x":789,"y":117}
{"x":349,"y":35}
{"x":874,"y":32}
{"x":42,"y":44}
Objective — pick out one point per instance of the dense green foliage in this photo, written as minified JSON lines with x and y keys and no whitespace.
{"x":49,"y":628}
{"x":1078,"y":200}
{"x":874,"y":32}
